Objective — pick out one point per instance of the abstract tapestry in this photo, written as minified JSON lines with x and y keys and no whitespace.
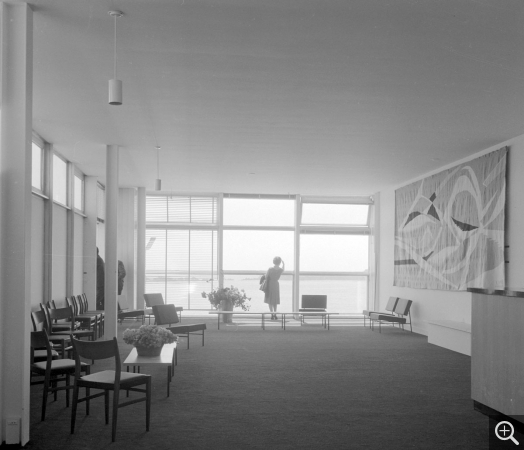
{"x":449,"y":227}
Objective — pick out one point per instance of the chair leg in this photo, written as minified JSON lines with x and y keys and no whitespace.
{"x":106,"y":405}
{"x":44,"y":399}
{"x":116,"y":396}
{"x":73,"y":408}
{"x":148,"y":403}
{"x":202,"y":338}
{"x":88,"y":391}
{"x":68,"y":384}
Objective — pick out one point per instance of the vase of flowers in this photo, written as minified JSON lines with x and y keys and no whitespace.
{"x":148,"y":339}
{"x":226,"y":299}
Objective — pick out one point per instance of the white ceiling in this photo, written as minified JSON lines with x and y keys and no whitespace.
{"x":319,"y":97}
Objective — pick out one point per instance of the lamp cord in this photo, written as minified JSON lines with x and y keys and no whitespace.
{"x":115,"y":17}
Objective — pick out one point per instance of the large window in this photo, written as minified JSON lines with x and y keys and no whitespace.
{"x":258,"y":212}
{"x":197,"y":243}
{"x":254,"y":250}
{"x":181,"y":248}
{"x":78,"y":188}
{"x":37,"y":168}
{"x":60,"y":192}
{"x":334,"y":253}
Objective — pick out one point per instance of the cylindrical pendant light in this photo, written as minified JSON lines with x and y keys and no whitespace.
{"x":115,"y":85}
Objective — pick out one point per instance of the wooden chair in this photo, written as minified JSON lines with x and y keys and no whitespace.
{"x":68,"y":315}
{"x":83,"y":303}
{"x":392,"y":302}
{"x":60,"y":342}
{"x":88,"y":321}
{"x":53,"y":370}
{"x":167,"y":315}
{"x":107,"y":380}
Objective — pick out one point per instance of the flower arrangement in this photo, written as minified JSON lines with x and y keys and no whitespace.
{"x":149,"y":336}
{"x":236,"y":297}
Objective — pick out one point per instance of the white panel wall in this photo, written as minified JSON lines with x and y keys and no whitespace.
{"x":451,"y":305}
{"x":37,"y":252}
{"x":78,"y":269}
{"x":59,"y":253}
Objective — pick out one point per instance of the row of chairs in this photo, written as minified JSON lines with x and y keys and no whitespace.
{"x":56,"y":371}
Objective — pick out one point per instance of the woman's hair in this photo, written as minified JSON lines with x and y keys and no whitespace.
{"x":277,"y":260}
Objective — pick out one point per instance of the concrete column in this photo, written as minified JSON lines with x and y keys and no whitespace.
{"x":141,"y":247}
{"x":70,"y":251}
{"x":126,"y":245}
{"x":111,"y":251}
{"x":15,"y":220}
{"x":90,"y":229}
{"x":48,"y":223}
{"x":296,"y":278}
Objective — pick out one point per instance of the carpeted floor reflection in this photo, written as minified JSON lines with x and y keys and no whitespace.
{"x":303,"y":388}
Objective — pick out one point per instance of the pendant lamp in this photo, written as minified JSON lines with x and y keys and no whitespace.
{"x":158,"y":181}
{"x":115,"y":85}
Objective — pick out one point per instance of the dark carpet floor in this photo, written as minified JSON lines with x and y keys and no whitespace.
{"x":303,"y":388}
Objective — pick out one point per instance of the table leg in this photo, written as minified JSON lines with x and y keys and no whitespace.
{"x":218,"y":323}
{"x":168,"y":379}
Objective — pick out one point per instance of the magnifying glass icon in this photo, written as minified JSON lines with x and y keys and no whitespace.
{"x":504,"y":431}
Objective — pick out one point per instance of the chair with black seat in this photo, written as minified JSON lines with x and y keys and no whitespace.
{"x":156,"y":298}
{"x":312,"y":304}
{"x":390,"y":306}
{"x":137,"y":314}
{"x":167,"y":315}
{"x":53,"y":370}
{"x":107,"y":380}
{"x":402,"y":309}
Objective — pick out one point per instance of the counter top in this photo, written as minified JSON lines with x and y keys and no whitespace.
{"x":506,"y":292}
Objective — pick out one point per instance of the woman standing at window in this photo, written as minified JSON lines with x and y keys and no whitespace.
{"x":272,"y":297}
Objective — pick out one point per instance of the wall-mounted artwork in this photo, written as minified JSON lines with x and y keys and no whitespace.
{"x":449,"y":227}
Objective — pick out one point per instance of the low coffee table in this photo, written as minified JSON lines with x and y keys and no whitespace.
{"x":168,"y":358}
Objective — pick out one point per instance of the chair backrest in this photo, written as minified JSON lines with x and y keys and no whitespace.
{"x":314,"y":301}
{"x":63,"y":314}
{"x":392,"y":302}
{"x":402,"y":307}
{"x":153,"y":299}
{"x":101,"y":349}
{"x":40,"y":340}
{"x":93,"y":350}
{"x":37,"y":318}
{"x":47,"y":319}
{"x":165,"y":314}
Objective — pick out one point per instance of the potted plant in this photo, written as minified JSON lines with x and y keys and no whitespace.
{"x":227,"y":298}
{"x":148,"y":339}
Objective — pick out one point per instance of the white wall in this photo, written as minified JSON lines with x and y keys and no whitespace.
{"x":59,"y":253}
{"x":78,"y":262}
{"x":37,"y":251}
{"x":452,"y":305}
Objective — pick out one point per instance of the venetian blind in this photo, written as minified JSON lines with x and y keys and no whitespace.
{"x":181,"y":262}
